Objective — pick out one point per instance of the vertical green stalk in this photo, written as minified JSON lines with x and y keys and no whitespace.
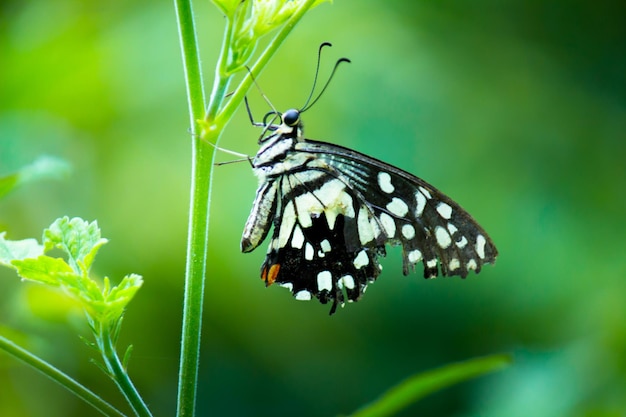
{"x":202,"y":157}
{"x":206,"y":128}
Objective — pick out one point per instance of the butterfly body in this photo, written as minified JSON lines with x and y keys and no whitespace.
{"x":334,"y":209}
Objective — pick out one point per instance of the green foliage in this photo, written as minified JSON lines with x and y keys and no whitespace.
{"x":104,"y":305}
{"x":248,"y":22}
{"x":80,"y":242}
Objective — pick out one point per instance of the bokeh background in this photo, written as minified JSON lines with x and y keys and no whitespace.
{"x":515,"y":109}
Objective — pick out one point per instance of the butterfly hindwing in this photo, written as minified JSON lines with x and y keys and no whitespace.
{"x":315,"y":249}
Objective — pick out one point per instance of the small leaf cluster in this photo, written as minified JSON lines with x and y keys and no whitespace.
{"x":248,"y":22}
{"x":79,"y":241}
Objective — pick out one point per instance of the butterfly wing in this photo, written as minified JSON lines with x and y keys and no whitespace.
{"x":334,"y":211}
{"x":430,"y":226}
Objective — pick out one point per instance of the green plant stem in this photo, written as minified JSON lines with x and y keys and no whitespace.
{"x":120,"y":376}
{"x":59,"y":377}
{"x":202,"y":156}
{"x":215,"y":120}
{"x":191,"y":62}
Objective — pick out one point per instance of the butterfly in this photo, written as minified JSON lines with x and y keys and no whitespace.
{"x":333,"y":211}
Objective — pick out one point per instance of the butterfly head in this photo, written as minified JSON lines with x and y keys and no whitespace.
{"x":291,"y":117}
{"x":290,"y":125}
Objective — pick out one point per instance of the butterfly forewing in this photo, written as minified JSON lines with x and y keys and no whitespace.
{"x":333,"y":210}
{"x":431,"y":227}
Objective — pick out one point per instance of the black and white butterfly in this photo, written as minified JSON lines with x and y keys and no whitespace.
{"x":334,"y":209}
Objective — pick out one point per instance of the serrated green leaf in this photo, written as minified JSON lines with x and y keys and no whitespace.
{"x":117,"y":299}
{"x":11,"y":250}
{"x":76,"y":237}
{"x":44,"y":269}
{"x":420,"y":385}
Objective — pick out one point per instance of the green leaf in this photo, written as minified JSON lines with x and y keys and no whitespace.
{"x":126,"y":359}
{"x":76,"y":237}
{"x":119,"y":296}
{"x":420,"y":385}
{"x":11,"y":250}
{"x":44,"y":269}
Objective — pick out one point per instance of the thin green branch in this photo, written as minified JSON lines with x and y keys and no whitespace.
{"x":119,"y":374}
{"x":59,"y":377}
{"x":221,"y":80}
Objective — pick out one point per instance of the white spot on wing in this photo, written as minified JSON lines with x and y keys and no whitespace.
{"x":308,"y":252}
{"x":347,"y":281}
{"x":480,"y":246}
{"x":388,"y":224}
{"x":398,"y":207}
{"x":324,"y":281}
{"x":471,"y":264}
{"x":445,"y":210}
{"x":303,"y":295}
{"x":408,"y":231}
{"x":331,"y":198}
{"x":307,"y":206}
{"x":454,"y":264}
{"x":420,"y":199}
{"x":287,"y":224}
{"x":432,"y":263}
{"x":442,"y":236}
{"x":325,"y":244}
{"x":361,"y":260}
{"x":415,"y":256}
{"x":425,"y":192}
{"x":452,"y":229}
{"x":287,"y":285}
{"x":384,"y":182}
{"x":366,"y":233}
{"x":375,"y":227}
{"x":297,"y":240}
{"x":461,"y":244}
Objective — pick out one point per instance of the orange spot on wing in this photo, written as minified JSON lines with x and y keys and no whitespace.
{"x":269,"y":275}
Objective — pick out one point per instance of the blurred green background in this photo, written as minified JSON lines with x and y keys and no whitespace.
{"x":515,"y":109}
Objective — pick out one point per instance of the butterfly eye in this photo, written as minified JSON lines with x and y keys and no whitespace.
{"x":291,"y":117}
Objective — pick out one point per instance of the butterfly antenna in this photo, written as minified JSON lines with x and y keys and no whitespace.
{"x":317,"y":71}
{"x":267,"y":100}
{"x":308,"y":105}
